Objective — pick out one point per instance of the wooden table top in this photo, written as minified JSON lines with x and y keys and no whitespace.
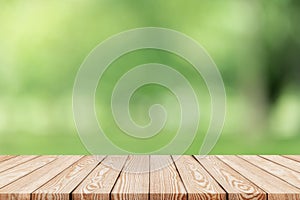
{"x":149,"y":177}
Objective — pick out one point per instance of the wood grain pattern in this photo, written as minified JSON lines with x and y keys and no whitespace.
{"x":2,"y":158}
{"x":170,"y":187}
{"x":19,"y":171}
{"x":289,"y":163}
{"x":275,"y":187}
{"x":23,"y":187}
{"x":100,"y":182}
{"x":275,"y":169}
{"x":62,"y":185}
{"x":199,"y":184}
{"x":133,"y":182}
{"x":236,"y":186}
{"x":14,"y":161}
{"x":149,"y":177}
{"x":293,"y":157}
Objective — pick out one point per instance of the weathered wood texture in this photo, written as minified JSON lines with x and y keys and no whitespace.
{"x":149,"y":177}
{"x":165,"y":181}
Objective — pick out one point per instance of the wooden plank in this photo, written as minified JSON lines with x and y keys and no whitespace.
{"x":275,"y":187}
{"x":146,"y":177}
{"x":165,"y":182}
{"x":60,"y":187}
{"x":22,"y":188}
{"x":277,"y":170}
{"x":291,"y":164}
{"x":236,"y":186}
{"x":293,"y":157}
{"x":19,"y":171}
{"x":100,"y":182}
{"x":3,"y":158}
{"x":14,"y":161}
{"x":198,"y":183}
{"x":133,"y":182}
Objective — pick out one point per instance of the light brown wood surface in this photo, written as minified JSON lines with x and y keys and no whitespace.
{"x":149,"y":177}
{"x":235,"y":185}
{"x":19,"y":171}
{"x":62,"y":185}
{"x":100,"y":182}
{"x":2,"y":158}
{"x":293,"y":157}
{"x":165,"y":182}
{"x":133,"y":182}
{"x":14,"y":161}
{"x":199,"y":184}
{"x":286,"y":162}
{"x":275,"y":169}
{"x":23,"y":187}
{"x":275,"y":187}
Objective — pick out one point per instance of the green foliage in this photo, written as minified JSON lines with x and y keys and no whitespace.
{"x":255,"y":45}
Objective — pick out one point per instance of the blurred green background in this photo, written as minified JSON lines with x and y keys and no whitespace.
{"x":255,"y":44}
